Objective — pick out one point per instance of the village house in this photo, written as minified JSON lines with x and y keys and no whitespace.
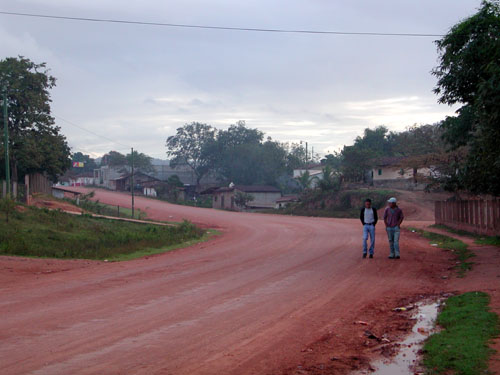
{"x":263,"y":197}
{"x":388,"y":172}
{"x":70,"y":179}
{"x":162,"y":171}
{"x":285,"y":201}
{"x":106,"y":175}
{"x":315,"y":174}
{"x":142,"y":181}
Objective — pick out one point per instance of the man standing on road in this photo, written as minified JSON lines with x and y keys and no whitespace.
{"x":393,"y":217}
{"x":369,"y":218}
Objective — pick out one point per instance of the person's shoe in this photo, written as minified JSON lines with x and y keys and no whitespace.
{"x":371,"y":256}
{"x":396,"y":257}
{"x":364,"y":256}
{"x":391,"y":257}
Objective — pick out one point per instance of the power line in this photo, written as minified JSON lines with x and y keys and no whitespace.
{"x":225,"y":28}
{"x":91,"y":132}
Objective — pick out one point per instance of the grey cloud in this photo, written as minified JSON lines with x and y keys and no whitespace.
{"x":138,"y":84}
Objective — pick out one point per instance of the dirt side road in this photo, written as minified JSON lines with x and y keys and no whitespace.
{"x":251,"y":301}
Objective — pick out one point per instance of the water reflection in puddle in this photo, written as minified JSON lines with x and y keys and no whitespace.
{"x":406,"y":359}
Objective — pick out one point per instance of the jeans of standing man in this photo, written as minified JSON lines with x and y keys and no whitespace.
{"x":369,"y":229}
{"x":393,"y":235}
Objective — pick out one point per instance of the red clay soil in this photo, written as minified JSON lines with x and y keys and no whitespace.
{"x":43,"y":201}
{"x":272,"y":295}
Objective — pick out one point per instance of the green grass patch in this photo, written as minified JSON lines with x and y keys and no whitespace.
{"x":152,"y":251}
{"x":459,"y":248}
{"x":462,"y":347}
{"x":480,"y":240}
{"x":45,"y":233}
{"x":489,"y":241}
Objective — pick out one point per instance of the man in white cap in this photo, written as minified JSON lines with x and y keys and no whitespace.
{"x":393,"y":217}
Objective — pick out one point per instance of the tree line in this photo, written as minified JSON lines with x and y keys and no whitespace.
{"x":238,"y":154}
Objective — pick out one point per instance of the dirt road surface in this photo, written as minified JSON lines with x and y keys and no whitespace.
{"x":270,"y":295}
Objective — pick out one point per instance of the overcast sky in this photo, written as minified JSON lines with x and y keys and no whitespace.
{"x":137,"y":84}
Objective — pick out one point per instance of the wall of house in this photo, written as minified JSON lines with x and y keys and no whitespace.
{"x":149,"y":192}
{"x":391,"y":173}
{"x":222,"y":200}
{"x":225,"y":200}
{"x":264,"y":200}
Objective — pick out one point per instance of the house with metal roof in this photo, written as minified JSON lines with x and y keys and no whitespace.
{"x":261,"y":197}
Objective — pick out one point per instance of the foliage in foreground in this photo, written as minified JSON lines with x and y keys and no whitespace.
{"x":43,"y":233}
{"x":36,"y":144}
{"x":469,"y":74}
{"x":462,"y":347}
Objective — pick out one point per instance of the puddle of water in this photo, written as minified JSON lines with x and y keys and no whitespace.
{"x":406,"y":359}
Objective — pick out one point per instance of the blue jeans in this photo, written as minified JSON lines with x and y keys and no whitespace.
{"x":368,"y":230}
{"x":393,"y":235}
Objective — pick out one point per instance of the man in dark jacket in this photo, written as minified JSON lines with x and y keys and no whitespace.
{"x":369,"y":218}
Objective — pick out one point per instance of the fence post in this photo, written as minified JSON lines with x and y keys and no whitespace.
{"x":481,"y":214}
{"x":118,"y":211}
{"x":27,"y":188}
{"x":488,"y":215}
{"x":496,"y":214}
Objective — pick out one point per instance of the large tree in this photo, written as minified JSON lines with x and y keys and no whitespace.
{"x":469,"y":74}
{"x":114,"y":159}
{"x":193,"y":145}
{"x":420,"y":147}
{"x":141,"y":161}
{"x":359,"y":158}
{"x":243,"y":157}
{"x":35,"y":142}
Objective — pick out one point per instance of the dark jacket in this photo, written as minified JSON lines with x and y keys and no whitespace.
{"x":362,"y":216}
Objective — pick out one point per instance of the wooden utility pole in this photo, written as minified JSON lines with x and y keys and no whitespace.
{"x":132,"y":182}
{"x":6,"y":140}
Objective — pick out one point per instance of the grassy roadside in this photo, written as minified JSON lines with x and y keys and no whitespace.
{"x":462,"y":347}
{"x":152,"y":251}
{"x":49,"y":233}
{"x":99,"y":208}
{"x":459,"y":248}
{"x":480,"y":240}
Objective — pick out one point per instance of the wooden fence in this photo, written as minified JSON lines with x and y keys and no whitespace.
{"x":477,"y":216}
{"x":38,"y":183}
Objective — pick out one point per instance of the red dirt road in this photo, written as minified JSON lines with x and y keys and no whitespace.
{"x":271,"y":295}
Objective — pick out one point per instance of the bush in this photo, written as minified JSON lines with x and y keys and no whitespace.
{"x":7,"y":206}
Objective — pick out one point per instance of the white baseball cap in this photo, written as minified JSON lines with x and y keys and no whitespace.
{"x":392,"y":200}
